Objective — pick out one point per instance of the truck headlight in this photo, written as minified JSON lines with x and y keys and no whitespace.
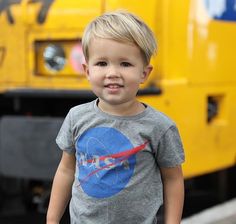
{"x":58,"y":58}
{"x":54,"y":57}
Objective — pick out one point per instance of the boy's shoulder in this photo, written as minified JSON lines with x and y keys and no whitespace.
{"x":159,"y":117}
{"x":81,"y":112}
{"x":82,"y":108}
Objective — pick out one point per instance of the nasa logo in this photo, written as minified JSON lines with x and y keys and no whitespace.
{"x":105,"y":160}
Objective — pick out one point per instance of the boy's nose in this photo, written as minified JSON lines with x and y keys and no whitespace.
{"x":113,"y":72}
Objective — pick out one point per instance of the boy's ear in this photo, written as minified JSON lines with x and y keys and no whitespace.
{"x":86,"y":70}
{"x":146,"y":72}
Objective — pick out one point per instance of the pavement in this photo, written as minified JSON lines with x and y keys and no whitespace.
{"x":224,"y":213}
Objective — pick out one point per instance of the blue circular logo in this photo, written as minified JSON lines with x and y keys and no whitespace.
{"x":105,"y":161}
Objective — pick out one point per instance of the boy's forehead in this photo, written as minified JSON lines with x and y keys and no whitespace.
{"x":110,"y":40}
{"x":108,"y":47}
{"x":108,"y":44}
{"x":104,"y":48}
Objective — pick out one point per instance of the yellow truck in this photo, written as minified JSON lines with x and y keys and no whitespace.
{"x":41,"y":77}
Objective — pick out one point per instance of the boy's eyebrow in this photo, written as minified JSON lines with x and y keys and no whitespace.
{"x":101,"y":58}
{"x":124,"y":59}
{"x":120,"y":59}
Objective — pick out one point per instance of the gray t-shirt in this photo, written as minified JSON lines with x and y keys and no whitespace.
{"x":117,"y":177}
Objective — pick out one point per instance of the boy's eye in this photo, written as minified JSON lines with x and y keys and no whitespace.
{"x":101,"y":63}
{"x":125,"y":64}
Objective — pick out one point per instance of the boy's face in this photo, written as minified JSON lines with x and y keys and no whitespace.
{"x":115,"y":70}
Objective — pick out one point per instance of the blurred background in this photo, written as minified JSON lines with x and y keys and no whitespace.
{"x":41,"y":77}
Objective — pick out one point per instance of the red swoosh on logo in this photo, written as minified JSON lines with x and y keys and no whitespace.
{"x":126,"y":153}
{"x":122,"y":155}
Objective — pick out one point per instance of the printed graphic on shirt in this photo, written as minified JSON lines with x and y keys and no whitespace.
{"x":106,"y":161}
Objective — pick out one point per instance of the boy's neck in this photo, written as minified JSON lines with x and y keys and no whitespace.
{"x":125,"y":109}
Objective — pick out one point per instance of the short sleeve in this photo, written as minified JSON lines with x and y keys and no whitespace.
{"x":65,"y":139}
{"x":170,"y":151}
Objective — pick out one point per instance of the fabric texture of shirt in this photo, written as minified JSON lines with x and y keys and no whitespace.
{"x":117,"y":178}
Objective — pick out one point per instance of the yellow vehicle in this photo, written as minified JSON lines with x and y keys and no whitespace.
{"x":41,"y":77}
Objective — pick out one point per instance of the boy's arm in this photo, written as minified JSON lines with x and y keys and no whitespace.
{"x":173,"y":186}
{"x":61,"y":188}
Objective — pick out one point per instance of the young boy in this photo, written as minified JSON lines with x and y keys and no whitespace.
{"x":121,"y":157}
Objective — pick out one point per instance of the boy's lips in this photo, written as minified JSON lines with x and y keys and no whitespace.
{"x":113,"y":86}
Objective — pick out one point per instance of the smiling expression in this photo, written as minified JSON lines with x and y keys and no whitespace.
{"x":115,"y":71}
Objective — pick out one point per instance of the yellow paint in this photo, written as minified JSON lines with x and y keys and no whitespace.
{"x":195,"y":61}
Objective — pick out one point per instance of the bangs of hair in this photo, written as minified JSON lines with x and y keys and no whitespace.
{"x":122,"y":27}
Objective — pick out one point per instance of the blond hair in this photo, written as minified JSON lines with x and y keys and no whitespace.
{"x":121,"y":26}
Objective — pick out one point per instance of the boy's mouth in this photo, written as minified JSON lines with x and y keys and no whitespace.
{"x":113,"y":86}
